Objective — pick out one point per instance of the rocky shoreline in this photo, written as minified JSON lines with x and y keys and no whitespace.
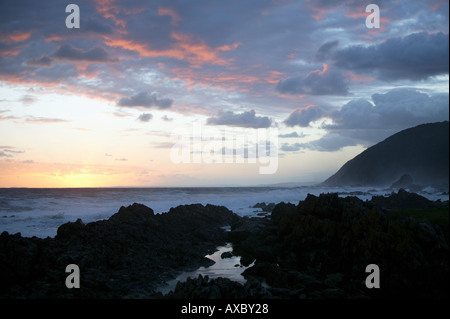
{"x":318,"y":249}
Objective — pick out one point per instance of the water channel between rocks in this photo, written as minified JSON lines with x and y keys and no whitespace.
{"x":229,"y":267}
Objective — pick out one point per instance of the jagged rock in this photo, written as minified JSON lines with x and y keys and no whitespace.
{"x":70,"y":229}
{"x":128,"y":254}
{"x":265,"y":207}
{"x":321,"y":248}
{"x":227,"y":254}
{"x":403,"y":200}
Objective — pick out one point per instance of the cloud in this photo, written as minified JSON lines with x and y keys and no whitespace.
{"x":367,"y":122}
{"x":9,"y":151}
{"x":331,"y":142}
{"x":325,"y":82}
{"x":28,"y":99}
{"x":163,"y":145}
{"x":42,"y":61}
{"x":69,"y":52}
{"x":245,"y":119}
{"x":143,"y":99}
{"x":398,"y":108}
{"x":303,"y":117}
{"x":145,"y":117}
{"x":286,"y":147}
{"x":43,"y":120}
{"x":166,"y":118}
{"x":7,"y":117}
{"x":290,"y":135}
{"x":414,"y":57}
{"x":325,"y":50}
{"x":171,"y":13}
{"x":4,"y":154}
{"x":92,"y":25}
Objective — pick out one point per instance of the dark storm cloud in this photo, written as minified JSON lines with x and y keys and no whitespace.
{"x":69,"y":52}
{"x":414,"y":57}
{"x":398,"y":108}
{"x":95,"y":26}
{"x":143,"y":99}
{"x":245,"y":119}
{"x":315,"y":83}
{"x":325,"y":50}
{"x":367,"y":122}
{"x":303,"y":117}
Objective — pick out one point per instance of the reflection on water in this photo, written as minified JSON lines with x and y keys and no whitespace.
{"x":230,"y":268}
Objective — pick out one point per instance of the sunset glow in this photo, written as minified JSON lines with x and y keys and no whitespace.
{"x":98,"y":106}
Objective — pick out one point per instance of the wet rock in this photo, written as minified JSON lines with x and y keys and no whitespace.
{"x":227,"y":254}
{"x":265,"y":207}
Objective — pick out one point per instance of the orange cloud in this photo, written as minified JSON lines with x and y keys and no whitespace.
{"x":439,"y":4}
{"x":110,"y":11}
{"x":320,"y":13}
{"x":325,"y":69}
{"x":53,"y":38}
{"x":172,"y":14}
{"x":358,"y":78}
{"x":18,"y":36}
{"x":225,"y":80}
{"x":186,"y":48}
{"x":232,"y":47}
{"x":274,"y":77}
{"x":9,"y":53}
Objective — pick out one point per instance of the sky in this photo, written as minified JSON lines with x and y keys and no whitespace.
{"x":209,"y":92}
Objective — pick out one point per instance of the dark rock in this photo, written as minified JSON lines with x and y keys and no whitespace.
{"x":227,"y":254}
{"x":129,"y":254}
{"x":320,"y":249}
{"x":265,"y":207}
{"x":70,"y":229}
{"x":219,"y":288}
{"x":134,"y":214}
{"x":281,"y":209}
{"x":403,"y":200}
{"x":206,"y":262}
{"x":317,"y":249}
{"x":404,"y":181}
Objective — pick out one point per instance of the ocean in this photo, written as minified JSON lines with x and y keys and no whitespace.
{"x":39,"y":212}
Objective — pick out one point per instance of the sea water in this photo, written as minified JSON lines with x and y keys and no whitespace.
{"x":39,"y":212}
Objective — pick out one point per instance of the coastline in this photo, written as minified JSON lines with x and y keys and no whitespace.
{"x":313,"y":250}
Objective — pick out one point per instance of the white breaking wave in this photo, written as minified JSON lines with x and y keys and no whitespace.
{"x":39,"y":212}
